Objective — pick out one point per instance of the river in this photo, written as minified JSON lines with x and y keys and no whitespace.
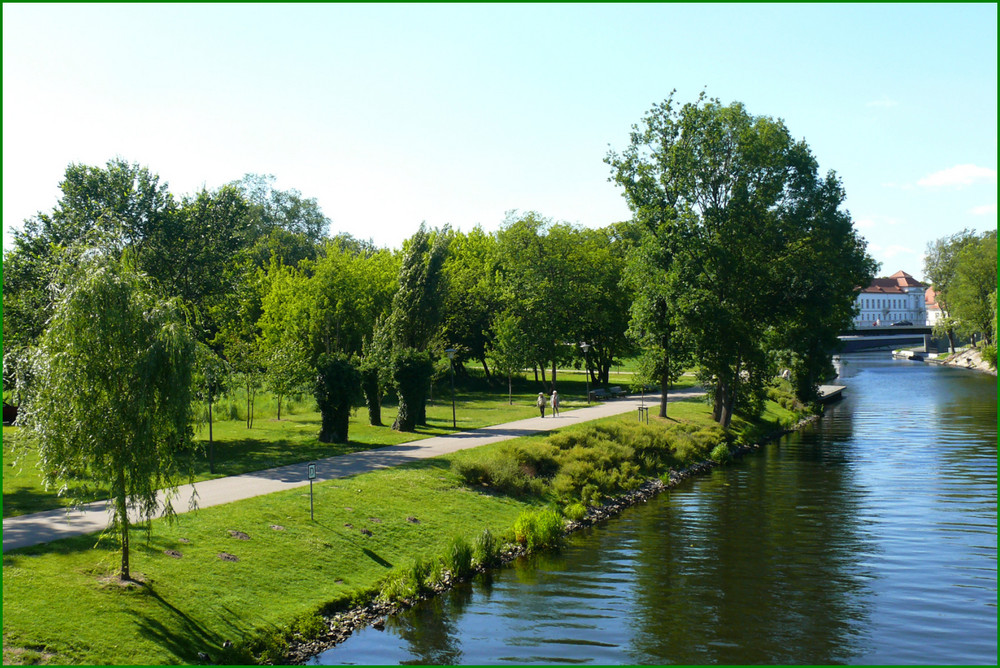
{"x":869,"y":537}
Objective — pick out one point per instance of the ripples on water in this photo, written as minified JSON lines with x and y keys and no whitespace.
{"x":867,"y":538}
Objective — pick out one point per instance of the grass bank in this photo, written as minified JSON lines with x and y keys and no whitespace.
{"x":293,"y":439}
{"x":257,"y":572}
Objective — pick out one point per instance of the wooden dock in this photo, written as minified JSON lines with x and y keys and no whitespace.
{"x":830,"y":392}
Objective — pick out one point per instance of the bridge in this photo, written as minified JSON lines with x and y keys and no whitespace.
{"x":886,"y":338}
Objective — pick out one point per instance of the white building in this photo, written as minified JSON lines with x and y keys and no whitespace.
{"x":932,"y":306}
{"x":895,"y":299}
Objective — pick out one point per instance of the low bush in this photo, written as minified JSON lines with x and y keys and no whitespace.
{"x":487,"y":550}
{"x":720,"y":453}
{"x":575,"y":511}
{"x":507,"y":470}
{"x":990,"y":355}
{"x":539,"y":529}
{"x":459,"y":558}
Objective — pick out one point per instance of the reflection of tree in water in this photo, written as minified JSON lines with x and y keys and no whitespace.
{"x":759,"y":563}
{"x":429,"y":630}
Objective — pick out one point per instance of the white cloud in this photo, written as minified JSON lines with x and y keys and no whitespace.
{"x":959,"y":175}
{"x":985,"y":210}
{"x":884,"y":102}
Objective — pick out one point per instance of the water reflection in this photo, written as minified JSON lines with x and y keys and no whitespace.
{"x":869,"y":537}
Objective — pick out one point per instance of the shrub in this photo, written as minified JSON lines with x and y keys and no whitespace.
{"x":487,"y":549}
{"x":459,"y":558}
{"x":990,"y":355}
{"x":575,"y":511}
{"x":538,"y":529}
{"x":406,"y":582}
{"x":720,"y":453}
{"x":502,"y":470}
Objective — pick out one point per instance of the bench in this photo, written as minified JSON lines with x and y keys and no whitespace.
{"x":599,"y":395}
{"x":617,"y":391}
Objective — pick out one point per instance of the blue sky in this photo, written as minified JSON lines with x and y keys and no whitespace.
{"x":390,"y":115}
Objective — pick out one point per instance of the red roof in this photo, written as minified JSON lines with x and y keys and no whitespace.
{"x":895,"y":284}
{"x":930,"y":299}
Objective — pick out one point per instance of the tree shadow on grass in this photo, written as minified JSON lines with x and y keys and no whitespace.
{"x":24,"y":500}
{"x":179,"y":633}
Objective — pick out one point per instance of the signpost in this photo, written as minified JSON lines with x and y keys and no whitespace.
{"x":312,"y":476}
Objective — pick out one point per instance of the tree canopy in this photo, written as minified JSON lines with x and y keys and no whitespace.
{"x":736,"y":218}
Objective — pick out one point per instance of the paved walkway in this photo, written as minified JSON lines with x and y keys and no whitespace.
{"x":52,"y":525}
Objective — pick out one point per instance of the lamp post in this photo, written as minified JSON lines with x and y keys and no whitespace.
{"x":586,"y":367}
{"x":451,"y":362}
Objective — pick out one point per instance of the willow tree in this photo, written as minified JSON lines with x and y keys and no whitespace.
{"x":111,"y":399}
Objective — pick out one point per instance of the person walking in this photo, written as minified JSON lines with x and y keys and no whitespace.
{"x":555,"y":404}
{"x":540,"y":402}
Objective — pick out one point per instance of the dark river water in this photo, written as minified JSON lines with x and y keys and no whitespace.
{"x":869,"y":537}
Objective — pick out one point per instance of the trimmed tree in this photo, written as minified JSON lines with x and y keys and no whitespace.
{"x":338,"y":386}
{"x":111,"y":399}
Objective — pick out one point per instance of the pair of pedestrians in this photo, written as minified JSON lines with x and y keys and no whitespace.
{"x":540,"y":402}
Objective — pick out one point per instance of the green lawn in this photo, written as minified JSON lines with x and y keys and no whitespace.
{"x":194,"y":602}
{"x":293,"y":439}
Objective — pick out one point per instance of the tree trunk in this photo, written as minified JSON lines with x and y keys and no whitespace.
{"x":553,"y":374}
{"x":279,"y":408}
{"x":543,"y":375}
{"x":211,"y":443}
{"x":123,"y":524}
{"x":373,"y":396}
{"x":486,"y":369}
{"x":404,"y":416}
{"x":951,"y":341}
{"x":510,"y":391}
{"x":422,"y":405}
{"x":335,"y":424}
{"x":664,"y":387}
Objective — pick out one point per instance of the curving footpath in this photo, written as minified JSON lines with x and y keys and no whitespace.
{"x":36,"y":528}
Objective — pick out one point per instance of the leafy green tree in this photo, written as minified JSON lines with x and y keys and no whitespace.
{"x":376,"y":370}
{"x":543,"y":280}
{"x":286,"y":369}
{"x":741,"y":200}
{"x":975,"y":279}
{"x":601,"y":299}
{"x":111,"y":401}
{"x":940,"y":266}
{"x":192,"y":250}
{"x":472,"y":298}
{"x":286,"y":210}
{"x":414,"y":323}
{"x":338,"y":384}
{"x":210,"y":375}
{"x":508,"y":350}
{"x":120,"y":206}
{"x":244,"y":359}
{"x":655,"y":322}
{"x":411,"y":371}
